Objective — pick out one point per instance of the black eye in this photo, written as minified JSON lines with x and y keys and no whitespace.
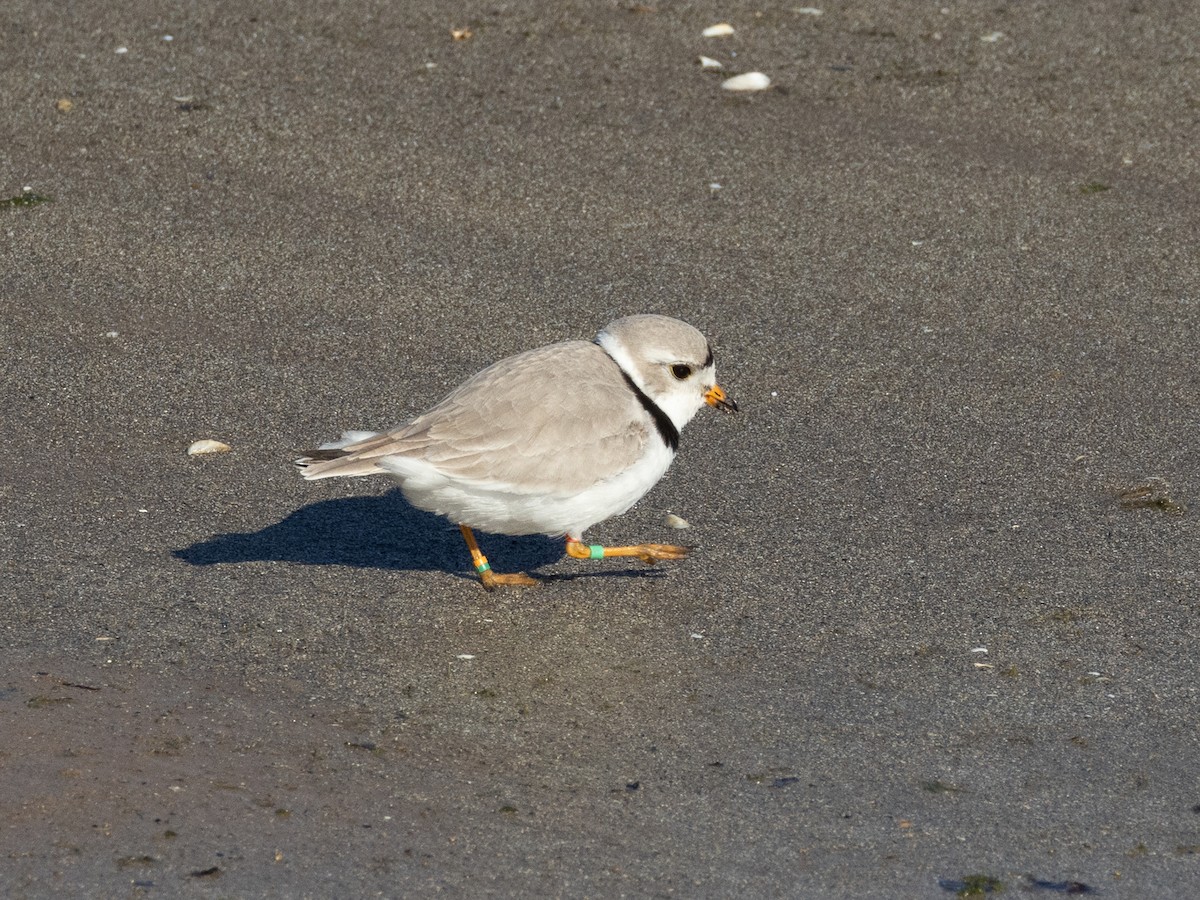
{"x":680,"y":371}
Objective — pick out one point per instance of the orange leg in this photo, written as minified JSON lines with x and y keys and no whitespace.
{"x":647,"y":553}
{"x":490,"y":579}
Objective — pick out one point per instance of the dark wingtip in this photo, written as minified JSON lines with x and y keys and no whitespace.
{"x":312,"y":456}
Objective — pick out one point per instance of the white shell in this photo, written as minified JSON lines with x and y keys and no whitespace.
{"x":750,"y":81}
{"x":808,"y":11}
{"x":707,"y":62}
{"x":994,"y":37}
{"x":674,"y":521}
{"x":721,"y":29}
{"x":208,"y":446}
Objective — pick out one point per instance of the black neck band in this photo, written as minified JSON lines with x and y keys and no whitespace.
{"x":666,"y":428}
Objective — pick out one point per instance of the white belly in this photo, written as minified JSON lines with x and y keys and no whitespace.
{"x":499,"y":509}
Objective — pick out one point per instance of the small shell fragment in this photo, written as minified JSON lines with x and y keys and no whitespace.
{"x":465,"y":656}
{"x":750,"y":81}
{"x":721,"y":29}
{"x":461,"y":34}
{"x":64,"y":105}
{"x":808,"y":11}
{"x":208,"y":446}
{"x":674,"y":521}
{"x":994,"y":38}
{"x":707,"y":62}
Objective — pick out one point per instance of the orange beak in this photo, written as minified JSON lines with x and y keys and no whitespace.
{"x":716,"y":397}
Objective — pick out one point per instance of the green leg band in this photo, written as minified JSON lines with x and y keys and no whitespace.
{"x":482,"y":567}
{"x":595,"y":551}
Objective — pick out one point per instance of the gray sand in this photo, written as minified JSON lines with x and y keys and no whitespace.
{"x":940,"y":629}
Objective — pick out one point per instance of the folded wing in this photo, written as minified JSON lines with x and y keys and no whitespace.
{"x":522,"y":424}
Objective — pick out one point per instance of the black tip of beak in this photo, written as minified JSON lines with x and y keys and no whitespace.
{"x":716,"y":397}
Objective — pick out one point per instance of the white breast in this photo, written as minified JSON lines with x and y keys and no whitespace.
{"x":492,"y":507}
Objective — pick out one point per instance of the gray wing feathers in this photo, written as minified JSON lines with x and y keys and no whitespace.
{"x":525,"y":422}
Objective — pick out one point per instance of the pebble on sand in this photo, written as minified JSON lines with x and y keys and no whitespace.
{"x":208,"y":446}
{"x":750,"y":81}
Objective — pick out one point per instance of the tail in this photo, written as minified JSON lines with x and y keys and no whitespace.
{"x":335,"y":459}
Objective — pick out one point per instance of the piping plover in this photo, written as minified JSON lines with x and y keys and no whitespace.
{"x":550,"y":441}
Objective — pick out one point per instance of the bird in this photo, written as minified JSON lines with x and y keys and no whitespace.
{"x":549,"y":441}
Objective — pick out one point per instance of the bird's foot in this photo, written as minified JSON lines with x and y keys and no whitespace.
{"x":647,"y":553}
{"x":492,"y":580}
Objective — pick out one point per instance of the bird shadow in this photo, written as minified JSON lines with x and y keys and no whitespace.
{"x":380,"y":532}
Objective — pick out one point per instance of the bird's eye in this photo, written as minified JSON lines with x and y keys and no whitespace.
{"x":680,"y":371}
